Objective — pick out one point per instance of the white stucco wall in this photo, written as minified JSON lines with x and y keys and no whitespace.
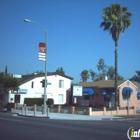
{"x":37,"y":91}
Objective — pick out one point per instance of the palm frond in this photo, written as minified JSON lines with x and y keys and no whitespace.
{"x":102,"y":24}
{"x":107,"y":26}
{"x":116,"y":20}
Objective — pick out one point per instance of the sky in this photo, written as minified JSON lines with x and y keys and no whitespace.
{"x":75,"y":40}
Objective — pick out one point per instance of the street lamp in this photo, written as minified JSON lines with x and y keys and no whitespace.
{"x":46,"y":40}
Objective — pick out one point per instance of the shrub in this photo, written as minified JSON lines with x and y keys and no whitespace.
{"x":50,"y":102}
{"x":33,"y":101}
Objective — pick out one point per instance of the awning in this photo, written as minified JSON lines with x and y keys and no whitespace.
{"x":138,"y":94}
{"x":125,"y":89}
{"x":106,"y":91}
{"x":88,"y":91}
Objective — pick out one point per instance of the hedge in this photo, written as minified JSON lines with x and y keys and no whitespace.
{"x":33,"y":101}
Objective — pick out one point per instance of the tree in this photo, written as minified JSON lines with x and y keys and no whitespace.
{"x":84,"y":75}
{"x":136,"y":77}
{"x":39,"y":71}
{"x":6,"y":70}
{"x":110,"y":72}
{"x":8,"y":82}
{"x":93,"y":75}
{"x":101,"y":66}
{"x":120,"y":77}
{"x":116,"y":20}
{"x":60,"y":71}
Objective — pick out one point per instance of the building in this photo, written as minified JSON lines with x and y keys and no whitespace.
{"x":33,"y":87}
{"x":102,"y":94}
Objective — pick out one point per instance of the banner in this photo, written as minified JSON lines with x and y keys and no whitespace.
{"x":42,"y":53}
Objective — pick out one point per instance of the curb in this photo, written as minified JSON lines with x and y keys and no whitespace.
{"x":118,"y":119}
{"x":30,"y":116}
{"x":42,"y":117}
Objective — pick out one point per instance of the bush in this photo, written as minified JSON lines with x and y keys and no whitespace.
{"x":50,"y":102}
{"x":33,"y":101}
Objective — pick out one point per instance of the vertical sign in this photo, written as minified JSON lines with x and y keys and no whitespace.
{"x":42,"y":53}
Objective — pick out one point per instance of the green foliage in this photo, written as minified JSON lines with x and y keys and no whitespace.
{"x":102,"y":67}
{"x":110,"y":72}
{"x":6,"y":71}
{"x":116,"y":20}
{"x":60,"y":71}
{"x":8,"y":82}
{"x":93,"y":75}
{"x":136,"y":77}
{"x":84,"y":75}
{"x":104,"y":70}
{"x":50,"y":101}
{"x":38,"y":72}
{"x":33,"y":101}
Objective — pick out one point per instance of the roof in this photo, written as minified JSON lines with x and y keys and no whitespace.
{"x":27,"y":78}
{"x":106,"y":83}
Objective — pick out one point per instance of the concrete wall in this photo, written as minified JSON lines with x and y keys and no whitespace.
{"x":72,"y":110}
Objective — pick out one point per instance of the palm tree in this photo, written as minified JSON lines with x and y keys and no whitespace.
{"x":116,"y":20}
{"x":84,"y":75}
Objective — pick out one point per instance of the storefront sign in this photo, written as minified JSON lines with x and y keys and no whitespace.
{"x":20,"y":91}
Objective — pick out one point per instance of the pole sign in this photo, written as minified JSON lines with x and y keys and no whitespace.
{"x":77,"y":90}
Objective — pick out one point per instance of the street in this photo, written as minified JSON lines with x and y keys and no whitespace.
{"x":20,"y":128}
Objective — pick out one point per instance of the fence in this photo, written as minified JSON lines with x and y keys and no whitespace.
{"x":76,"y":110}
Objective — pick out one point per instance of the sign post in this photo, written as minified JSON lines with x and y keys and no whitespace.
{"x":77,"y":92}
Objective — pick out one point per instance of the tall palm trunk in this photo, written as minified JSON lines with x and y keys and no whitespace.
{"x":116,"y":72}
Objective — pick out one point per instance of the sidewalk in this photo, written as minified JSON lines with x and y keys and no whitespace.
{"x":63,"y":116}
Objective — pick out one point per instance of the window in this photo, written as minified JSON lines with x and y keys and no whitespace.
{"x":61,"y":83}
{"x":126,"y":98}
{"x":60,"y":98}
{"x":32,"y":85}
{"x":17,"y":98}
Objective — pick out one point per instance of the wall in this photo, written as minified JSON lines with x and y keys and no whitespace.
{"x":133,"y":97}
{"x":96,"y":102}
{"x":37,"y":91}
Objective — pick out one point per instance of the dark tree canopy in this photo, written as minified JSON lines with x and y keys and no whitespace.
{"x":60,"y":71}
{"x":93,"y":75}
{"x":136,"y":77}
{"x":84,"y":75}
{"x":8,"y":82}
{"x":116,"y":20}
{"x":102,"y":67}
